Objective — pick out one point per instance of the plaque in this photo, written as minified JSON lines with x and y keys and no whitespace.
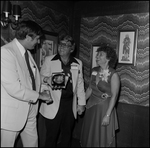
{"x":59,"y":80}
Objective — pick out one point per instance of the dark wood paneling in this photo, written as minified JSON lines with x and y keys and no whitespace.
{"x":133,"y":126}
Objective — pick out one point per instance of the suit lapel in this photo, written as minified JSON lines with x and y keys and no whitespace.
{"x":74,"y":70}
{"x":35,"y":71}
{"x":56,"y":67}
{"x":23,"y":65}
{"x":20,"y":59}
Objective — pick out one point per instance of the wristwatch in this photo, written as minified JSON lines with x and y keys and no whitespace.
{"x":108,"y":115}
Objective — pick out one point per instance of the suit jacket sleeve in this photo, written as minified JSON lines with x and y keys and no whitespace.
{"x":11,"y":80}
{"x":80,"y":87}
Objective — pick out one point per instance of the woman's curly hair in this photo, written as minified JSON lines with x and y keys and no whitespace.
{"x":110,"y":54}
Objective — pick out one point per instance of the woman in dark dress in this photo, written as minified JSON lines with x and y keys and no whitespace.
{"x":100,"y":120}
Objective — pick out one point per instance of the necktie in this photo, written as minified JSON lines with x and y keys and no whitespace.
{"x":30,"y":70}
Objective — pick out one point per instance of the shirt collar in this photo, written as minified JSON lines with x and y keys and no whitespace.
{"x":72,"y":59}
{"x":20,"y":47}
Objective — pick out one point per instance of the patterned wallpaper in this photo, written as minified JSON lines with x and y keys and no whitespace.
{"x":48,"y":18}
{"x":134,"y":78}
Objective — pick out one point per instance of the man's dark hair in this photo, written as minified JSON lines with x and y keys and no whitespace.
{"x":29,"y":28}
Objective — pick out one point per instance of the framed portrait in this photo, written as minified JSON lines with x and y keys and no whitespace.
{"x":127,"y":46}
{"x":48,"y":46}
{"x":93,"y":59}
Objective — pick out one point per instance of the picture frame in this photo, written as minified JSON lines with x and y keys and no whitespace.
{"x":49,"y":46}
{"x":127,"y":46}
{"x":93,"y":55}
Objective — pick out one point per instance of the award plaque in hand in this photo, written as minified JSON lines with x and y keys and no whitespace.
{"x":58,"y":80}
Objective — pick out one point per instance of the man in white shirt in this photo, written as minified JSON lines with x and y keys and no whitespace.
{"x":19,"y":92}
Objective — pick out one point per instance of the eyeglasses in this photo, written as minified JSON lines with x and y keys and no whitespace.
{"x":64,"y":46}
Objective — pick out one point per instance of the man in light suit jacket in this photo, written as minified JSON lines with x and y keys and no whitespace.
{"x":19,"y":102}
{"x":60,"y":115}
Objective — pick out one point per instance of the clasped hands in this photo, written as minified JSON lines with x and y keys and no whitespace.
{"x":46,"y":96}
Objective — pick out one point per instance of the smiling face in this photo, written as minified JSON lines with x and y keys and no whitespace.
{"x":65,"y":48}
{"x":101,"y":58}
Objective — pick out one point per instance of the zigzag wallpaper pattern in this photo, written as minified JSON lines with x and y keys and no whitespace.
{"x":46,"y":17}
{"x":134,"y":79}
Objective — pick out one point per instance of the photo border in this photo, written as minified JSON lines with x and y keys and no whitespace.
{"x":93,"y":54}
{"x":52,"y":36}
{"x":127,"y":34}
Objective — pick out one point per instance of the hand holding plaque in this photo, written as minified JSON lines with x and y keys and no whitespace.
{"x":59,"y":80}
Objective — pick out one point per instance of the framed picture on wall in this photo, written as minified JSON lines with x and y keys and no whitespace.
{"x":93,"y":59}
{"x":49,"y":46}
{"x":127,"y":44}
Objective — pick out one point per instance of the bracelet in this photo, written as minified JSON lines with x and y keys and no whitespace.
{"x":108,"y":115}
{"x":45,"y":81}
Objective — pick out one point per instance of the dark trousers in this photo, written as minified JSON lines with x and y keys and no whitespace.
{"x":62,"y":124}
